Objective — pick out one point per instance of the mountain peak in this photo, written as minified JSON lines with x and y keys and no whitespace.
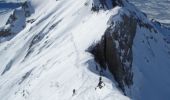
{"x":82,"y":50}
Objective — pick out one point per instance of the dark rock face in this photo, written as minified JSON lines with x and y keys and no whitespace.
{"x":105,"y":4}
{"x":115,"y":50}
{"x":4,"y":32}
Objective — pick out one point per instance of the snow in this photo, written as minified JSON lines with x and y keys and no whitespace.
{"x":6,"y":9}
{"x":4,"y":17}
{"x":155,"y":9}
{"x":150,"y":66}
{"x":48,"y":59}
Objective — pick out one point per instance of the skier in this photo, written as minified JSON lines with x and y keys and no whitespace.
{"x":74,"y":92}
{"x":100,"y":84}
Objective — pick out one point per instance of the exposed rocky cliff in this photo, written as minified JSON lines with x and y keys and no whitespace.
{"x":114,"y":50}
{"x":105,"y":4}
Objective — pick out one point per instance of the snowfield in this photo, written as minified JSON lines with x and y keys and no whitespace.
{"x":48,"y":58}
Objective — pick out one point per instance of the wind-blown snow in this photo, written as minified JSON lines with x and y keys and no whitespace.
{"x":48,"y":59}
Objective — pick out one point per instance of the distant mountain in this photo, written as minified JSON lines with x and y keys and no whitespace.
{"x":155,"y":9}
{"x":16,"y":1}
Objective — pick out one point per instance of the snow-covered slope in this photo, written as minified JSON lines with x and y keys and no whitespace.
{"x":155,"y":9}
{"x":151,"y":66}
{"x":48,"y":58}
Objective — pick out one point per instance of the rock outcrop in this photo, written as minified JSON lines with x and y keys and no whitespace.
{"x":17,"y":20}
{"x":105,"y":4}
{"x":115,"y":50}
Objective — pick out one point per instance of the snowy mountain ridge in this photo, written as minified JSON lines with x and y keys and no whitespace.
{"x":49,"y":58}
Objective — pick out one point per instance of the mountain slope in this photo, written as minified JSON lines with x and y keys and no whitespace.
{"x":136,"y":51}
{"x":50,"y":57}
{"x":47,"y":59}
